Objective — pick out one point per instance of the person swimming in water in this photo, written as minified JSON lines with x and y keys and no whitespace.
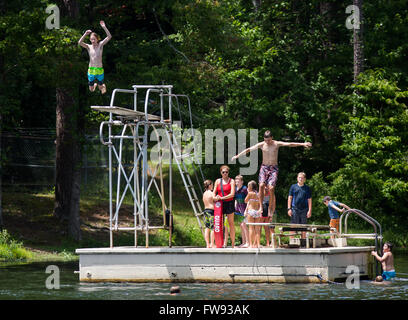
{"x":387,"y":261}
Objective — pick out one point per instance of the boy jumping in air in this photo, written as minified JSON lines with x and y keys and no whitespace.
{"x":268,"y":172}
{"x":95,"y":51}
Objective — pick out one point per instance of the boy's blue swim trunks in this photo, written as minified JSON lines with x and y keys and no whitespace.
{"x":95,"y":74}
{"x":387,"y":275}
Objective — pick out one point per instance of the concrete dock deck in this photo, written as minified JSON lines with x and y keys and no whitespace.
{"x":191,"y":264}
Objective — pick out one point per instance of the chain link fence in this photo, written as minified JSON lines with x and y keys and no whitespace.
{"x":29,"y":161}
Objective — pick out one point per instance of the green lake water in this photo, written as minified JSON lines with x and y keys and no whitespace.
{"x":28,"y":282}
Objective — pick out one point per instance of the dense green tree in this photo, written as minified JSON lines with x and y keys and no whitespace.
{"x":282,"y":65}
{"x":375,"y":172}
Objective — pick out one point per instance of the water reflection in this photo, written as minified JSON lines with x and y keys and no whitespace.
{"x":27,"y":281}
{"x":244,"y":291}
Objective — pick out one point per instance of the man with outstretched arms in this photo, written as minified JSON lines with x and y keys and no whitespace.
{"x":268,"y":173}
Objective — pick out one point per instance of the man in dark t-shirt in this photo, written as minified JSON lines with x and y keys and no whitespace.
{"x":300,"y":201}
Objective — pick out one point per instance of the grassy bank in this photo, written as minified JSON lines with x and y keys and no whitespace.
{"x":32,"y":233}
{"x":10,"y":249}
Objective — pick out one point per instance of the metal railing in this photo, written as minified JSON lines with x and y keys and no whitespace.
{"x":376,"y":236}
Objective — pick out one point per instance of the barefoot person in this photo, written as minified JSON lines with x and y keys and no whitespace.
{"x":224,"y":189}
{"x":334,"y":210}
{"x":208,"y":200}
{"x":252,"y":214}
{"x":300,"y":202}
{"x":95,"y":51}
{"x":241,"y":192}
{"x":268,"y":173}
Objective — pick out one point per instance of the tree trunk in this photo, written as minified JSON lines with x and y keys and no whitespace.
{"x":68,"y":147}
{"x":257,"y":4}
{"x":70,"y":8}
{"x":326,"y":12}
{"x":1,"y":173}
{"x":358,"y":42}
{"x":2,"y":10}
{"x":67,"y":161}
{"x":74,"y":224}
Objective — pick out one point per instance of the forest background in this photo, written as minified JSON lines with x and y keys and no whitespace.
{"x":286,"y":66}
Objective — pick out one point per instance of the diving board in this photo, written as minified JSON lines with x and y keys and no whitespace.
{"x":124,"y":112}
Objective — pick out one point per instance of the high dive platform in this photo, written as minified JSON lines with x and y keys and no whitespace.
{"x":135,"y":126}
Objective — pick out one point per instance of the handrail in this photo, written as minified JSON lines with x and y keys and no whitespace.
{"x":119,"y":90}
{"x":188,"y":103}
{"x":376,"y":238}
{"x":176,"y":96}
{"x":361,"y":214}
{"x":376,"y":222}
{"x":373,"y":222}
{"x":147,"y":102}
{"x":114,"y":94}
{"x":365,"y":217}
{"x":103,"y":123}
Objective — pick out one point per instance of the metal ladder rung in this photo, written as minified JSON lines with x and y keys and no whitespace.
{"x":184,"y":156}
{"x":186,"y":181}
{"x":194,"y":198}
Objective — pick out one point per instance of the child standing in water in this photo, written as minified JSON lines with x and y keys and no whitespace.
{"x":252,"y":214}
{"x":387,"y":261}
{"x":95,"y":51}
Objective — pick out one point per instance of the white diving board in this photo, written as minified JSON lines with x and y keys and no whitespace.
{"x":124,"y":112}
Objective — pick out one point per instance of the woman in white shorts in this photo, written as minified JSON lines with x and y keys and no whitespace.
{"x":252,"y":214}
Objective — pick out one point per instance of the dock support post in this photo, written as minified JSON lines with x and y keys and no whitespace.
{"x":110,"y":181}
{"x":170,"y":172}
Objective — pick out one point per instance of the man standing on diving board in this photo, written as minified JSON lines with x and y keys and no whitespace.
{"x":268,"y":173}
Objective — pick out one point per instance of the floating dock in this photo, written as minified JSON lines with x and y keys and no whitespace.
{"x":192,"y":264}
